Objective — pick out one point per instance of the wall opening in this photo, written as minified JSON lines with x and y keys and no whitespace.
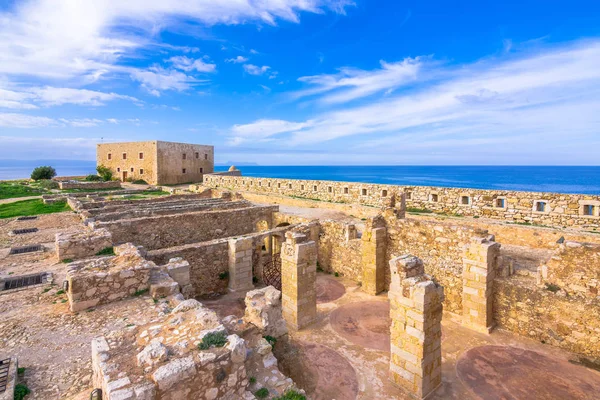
{"x":408,"y":195}
{"x":184,"y":156}
{"x":183,"y":171}
{"x":141,"y":155}
{"x":302,"y":187}
{"x":279,"y":186}
{"x":289,"y":185}
{"x":384,"y":193}
{"x":500,"y":203}
{"x":540,"y":206}
{"x":314,"y":188}
{"x":434,"y":198}
{"x":589,"y":210}
{"x":363,"y":192}
{"x":141,"y":171}
{"x":465,"y":200}
{"x":197,"y":155}
{"x":346,"y":190}
{"x":109,"y":156}
{"x":124,"y":156}
{"x":329,"y":189}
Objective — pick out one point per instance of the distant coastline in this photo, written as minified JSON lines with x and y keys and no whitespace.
{"x":582,"y":180}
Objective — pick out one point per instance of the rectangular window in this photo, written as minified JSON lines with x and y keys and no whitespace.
{"x":384,"y":193}
{"x":289,"y":185}
{"x":197,"y":155}
{"x":302,"y":187}
{"x":141,"y":156}
{"x":408,"y":195}
{"x":141,"y":171}
{"x":206,"y":156}
{"x":363,"y":192}
{"x":330,"y":189}
{"x":540,"y":206}
{"x":279,"y":186}
{"x":465,"y":200}
{"x":118,"y":169}
{"x":588,"y":209}
{"x":433,"y":198}
{"x":202,"y":170}
{"x":314,"y":188}
{"x":269,"y":184}
{"x":259,"y":183}
{"x":183,"y":171}
{"x":131,"y":169}
{"x":124,"y":156}
{"x":109,"y":156}
{"x":500,"y":203}
{"x":346,"y":190}
{"x":184,"y":156}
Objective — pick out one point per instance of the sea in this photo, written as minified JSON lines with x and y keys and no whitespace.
{"x":557,"y":179}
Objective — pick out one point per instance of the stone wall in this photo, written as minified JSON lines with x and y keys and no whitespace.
{"x":552,"y":318}
{"x":89,"y":185}
{"x":98,"y":281}
{"x":77,"y":245}
{"x":575,"y":267}
{"x":339,"y":249}
{"x":208,"y":264}
{"x":535,"y":207}
{"x":185,"y":228}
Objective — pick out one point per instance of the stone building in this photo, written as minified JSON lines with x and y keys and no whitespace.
{"x":157,"y":162}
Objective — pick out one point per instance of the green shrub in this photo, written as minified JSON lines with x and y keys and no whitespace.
{"x":67,"y":260}
{"x":252,"y":380}
{"x":216,"y":339}
{"x":337,"y":274}
{"x":291,"y":395}
{"x":271,"y":340}
{"x":58,"y":293}
{"x":418,"y":210}
{"x":224,"y":275}
{"x":48,"y":184}
{"x":21,"y":370}
{"x":45,"y":172}
{"x":21,"y":391}
{"x":93,"y":178}
{"x":262,"y":393}
{"x":140,"y":182}
{"x":108,"y":251}
{"x":105,"y":172}
{"x":552,"y":287}
{"x":141,"y":292}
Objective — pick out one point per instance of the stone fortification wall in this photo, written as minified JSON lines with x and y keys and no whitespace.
{"x":208,"y":262}
{"x":564,"y":321}
{"x":575,"y":268}
{"x":175,"y":230}
{"x":89,"y":185}
{"x":535,"y":207}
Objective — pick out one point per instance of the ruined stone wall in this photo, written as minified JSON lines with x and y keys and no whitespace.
{"x":76,"y":245}
{"x":575,"y":268}
{"x":558,"y":209}
{"x":175,"y":230}
{"x":440,"y":246}
{"x":208,"y":262}
{"x":89,"y":185}
{"x":339,"y":252}
{"x":552,"y":318}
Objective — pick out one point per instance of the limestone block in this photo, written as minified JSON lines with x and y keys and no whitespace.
{"x":77,"y":245}
{"x":187,"y":305}
{"x":179,"y":270}
{"x":263,"y":310}
{"x":175,"y":371}
{"x":152,"y":354}
{"x":237,"y":346}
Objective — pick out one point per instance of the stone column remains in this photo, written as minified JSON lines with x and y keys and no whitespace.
{"x":373,"y":251}
{"x":298,"y":280}
{"x":416,"y":331}
{"x":240,"y":264}
{"x":479,"y":271}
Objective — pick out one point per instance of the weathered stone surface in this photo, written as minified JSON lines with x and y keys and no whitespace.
{"x":86,"y":243}
{"x":152,"y":354}
{"x":174,"y":372}
{"x":237,"y":346}
{"x":263,"y":310}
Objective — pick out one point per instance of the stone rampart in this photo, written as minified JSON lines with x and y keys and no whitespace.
{"x":534,"y":207}
{"x":175,"y":230}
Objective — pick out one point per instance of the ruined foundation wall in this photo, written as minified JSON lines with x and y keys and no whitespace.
{"x":89,"y":185}
{"x":338,"y":252}
{"x":176,"y":230}
{"x":558,"y":210}
{"x":566,"y":322}
{"x":576,"y":268}
{"x":208,"y":261}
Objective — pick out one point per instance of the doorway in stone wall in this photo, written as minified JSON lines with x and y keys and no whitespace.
{"x":271,"y":263}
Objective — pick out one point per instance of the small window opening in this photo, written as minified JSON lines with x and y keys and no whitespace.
{"x":588,"y":209}
{"x":279,"y":186}
{"x":131,"y":169}
{"x":363,"y":192}
{"x":330,"y":189}
{"x":434,"y":198}
{"x":202,"y":171}
{"x":109,"y":156}
{"x":184,"y":156}
{"x":289,"y":185}
{"x":206,"y":156}
{"x":124,"y":156}
{"x":346,"y":190}
{"x":183,"y":171}
{"x":540,"y":206}
{"x":302,"y":187}
{"x":408,"y":195}
{"x":141,"y":171}
{"x":315,"y":188}
{"x":465,"y":200}
{"x":259,"y":183}
{"x":197,"y":155}
{"x":500,"y":203}
{"x":118,"y":169}
{"x":269,"y":184}
{"x":141,"y":155}
{"x":384,"y":193}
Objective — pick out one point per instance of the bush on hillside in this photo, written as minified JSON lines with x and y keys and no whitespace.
{"x":105,"y":172}
{"x":48,"y":184}
{"x":93,"y":178}
{"x":45,"y":172}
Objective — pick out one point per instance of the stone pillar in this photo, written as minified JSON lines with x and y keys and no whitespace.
{"x":240,"y":264}
{"x":479,"y":271}
{"x":373,"y":256}
{"x":416,"y":331}
{"x":298,"y":280}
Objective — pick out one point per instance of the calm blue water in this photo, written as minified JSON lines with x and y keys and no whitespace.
{"x":584,"y":180}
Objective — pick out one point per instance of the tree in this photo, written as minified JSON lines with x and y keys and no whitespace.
{"x":45,"y":172}
{"x":104,"y":172}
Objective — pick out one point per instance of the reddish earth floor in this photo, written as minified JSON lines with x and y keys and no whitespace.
{"x":328,"y":289}
{"x":226,"y":305}
{"x":366,"y":323}
{"x":322,"y":372}
{"x":506,"y":372}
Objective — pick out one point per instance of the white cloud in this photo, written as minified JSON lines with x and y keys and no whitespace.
{"x":26,"y":121}
{"x":19,"y":147}
{"x":351,"y":83}
{"x":189,"y":64}
{"x":156,"y":79}
{"x":256,"y":70}
{"x":531,"y":105}
{"x":32,"y":98}
{"x":237,"y":60}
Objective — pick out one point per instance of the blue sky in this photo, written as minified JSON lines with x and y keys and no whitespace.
{"x":305,"y":82}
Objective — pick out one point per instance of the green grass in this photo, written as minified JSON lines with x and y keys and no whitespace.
{"x":31,"y":207}
{"x":91,"y":190}
{"x":67,"y":260}
{"x":291,"y":395}
{"x":21,"y":391}
{"x":415,"y":210}
{"x":271,"y":340}
{"x":107,"y":251}
{"x":262,"y":393}
{"x":141,"y":292}
{"x":12,"y":189}
{"x":217,"y":339}
{"x":252,"y":380}
{"x":551,"y":287}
